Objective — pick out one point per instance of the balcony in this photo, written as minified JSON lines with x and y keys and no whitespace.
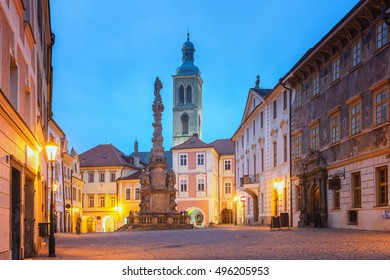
{"x":249,"y":179}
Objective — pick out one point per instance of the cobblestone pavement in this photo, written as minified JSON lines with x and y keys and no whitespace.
{"x":224,"y":243}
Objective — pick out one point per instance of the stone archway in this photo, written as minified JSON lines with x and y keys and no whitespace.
{"x":197,"y":217}
{"x":255,"y":204}
{"x":108,"y":224}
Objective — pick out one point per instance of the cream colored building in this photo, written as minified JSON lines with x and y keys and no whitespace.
{"x":101,"y":167}
{"x":262,"y":150}
{"x":205,"y":180}
{"x":25,"y":108}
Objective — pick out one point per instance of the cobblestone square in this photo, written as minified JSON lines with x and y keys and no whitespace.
{"x":224,"y":243}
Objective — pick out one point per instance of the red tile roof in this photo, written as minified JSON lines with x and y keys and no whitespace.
{"x":223,"y":146}
{"x":105,"y":155}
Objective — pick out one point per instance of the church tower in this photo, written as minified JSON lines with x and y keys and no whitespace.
{"x":187,"y":97}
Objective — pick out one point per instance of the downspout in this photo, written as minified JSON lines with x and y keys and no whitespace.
{"x":219,"y":192}
{"x":71,"y":199}
{"x":290,"y":162}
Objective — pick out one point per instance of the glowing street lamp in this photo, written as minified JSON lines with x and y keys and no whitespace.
{"x":51,"y":151}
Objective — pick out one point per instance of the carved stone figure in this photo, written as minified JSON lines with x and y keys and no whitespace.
{"x":145,"y":179}
{"x":171,"y":179}
{"x":157,"y":87}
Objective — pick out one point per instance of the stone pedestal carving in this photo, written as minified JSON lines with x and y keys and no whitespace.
{"x":158,"y":193}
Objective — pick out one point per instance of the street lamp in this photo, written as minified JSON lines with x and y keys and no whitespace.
{"x":51,"y":151}
{"x":235,"y":199}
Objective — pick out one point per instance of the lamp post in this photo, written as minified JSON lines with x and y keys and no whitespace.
{"x":235,"y":199}
{"x":51,"y":150}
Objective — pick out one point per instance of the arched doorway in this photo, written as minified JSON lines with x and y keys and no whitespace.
{"x":91,"y":224}
{"x":196,"y":216}
{"x":108,"y":224}
{"x":314,"y":205}
{"x":227,"y":216}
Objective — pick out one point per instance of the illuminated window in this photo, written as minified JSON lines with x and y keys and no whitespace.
{"x":112,"y":201}
{"x":355,"y":117}
{"x":356,"y":53}
{"x":382,"y":186}
{"x":381,"y":35}
{"x":380,"y":107}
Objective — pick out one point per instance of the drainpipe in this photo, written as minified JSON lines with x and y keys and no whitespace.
{"x":63,"y":193}
{"x":289,"y":135}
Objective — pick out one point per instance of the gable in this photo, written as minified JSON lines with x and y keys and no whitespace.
{"x":254,"y":99}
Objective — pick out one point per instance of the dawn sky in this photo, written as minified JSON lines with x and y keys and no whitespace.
{"x":108,"y":53}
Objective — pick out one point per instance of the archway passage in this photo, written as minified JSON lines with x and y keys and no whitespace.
{"x":196,"y":216}
{"x":91,"y":225}
{"x":255,"y":202}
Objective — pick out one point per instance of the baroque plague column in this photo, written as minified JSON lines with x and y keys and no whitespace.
{"x":158,"y":193}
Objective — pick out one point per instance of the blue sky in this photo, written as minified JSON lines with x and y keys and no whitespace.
{"x":108,"y":53}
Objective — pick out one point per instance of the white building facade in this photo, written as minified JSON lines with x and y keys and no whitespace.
{"x":262,"y":152}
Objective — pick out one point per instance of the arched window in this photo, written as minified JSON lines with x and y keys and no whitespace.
{"x":189,"y":94}
{"x":184,"y":121}
{"x":181,"y":95}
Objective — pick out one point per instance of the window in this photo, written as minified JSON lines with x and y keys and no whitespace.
{"x":380,"y":107}
{"x":112,"y":201}
{"x":90,"y":177}
{"x":336,"y":199}
{"x":285,"y":101}
{"x":181,"y":95}
{"x":381,"y":35}
{"x":334,"y":128}
{"x":201,"y":185}
{"x":275,"y":109}
{"x":128,"y":194}
{"x":102,"y":201}
{"x":316,"y":84}
{"x":254,"y":127}
{"x":285,"y":148}
{"x":315,"y":137}
{"x":298,"y":140}
{"x":356,"y":53}
{"x":91,"y":201}
{"x":261,"y":120}
{"x":183,"y":160}
{"x":189,"y":94}
{"x":275,"y":154}
{"x":112,"y":177}
{"x":184,"y":121}
{"x":357,"y":191}
{"x":242,"y":141}
{"x":183,"y":185}
{"x":200,"y":159}
{"x":228,"y":188}
{"x":336,"y":69}
{"x":298,"y":98}
{"x":102,"y":177}
{"x":137,"y":193}
{"x":228,"y":165}
{"x":262,"y":158}
{"x":247,"y":134}
{"x":355,"y":118}
{"x":382,"y":186}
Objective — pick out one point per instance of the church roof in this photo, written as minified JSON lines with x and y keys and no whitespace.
{"x":105,"y":155}
{"x":188,"y":67}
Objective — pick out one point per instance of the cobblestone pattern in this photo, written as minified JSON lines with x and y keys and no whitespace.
{"x":224,"y":243}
